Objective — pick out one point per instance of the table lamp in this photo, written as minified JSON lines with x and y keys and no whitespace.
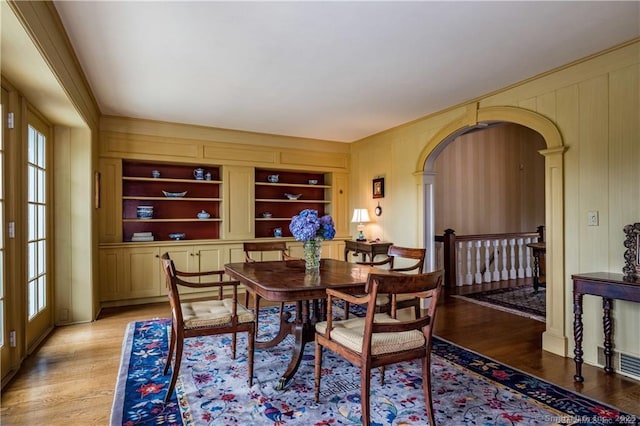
{"x":360,"y":216}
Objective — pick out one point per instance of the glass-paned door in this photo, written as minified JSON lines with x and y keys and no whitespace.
{"x":39,"y":318}
{"x":4,"y":337}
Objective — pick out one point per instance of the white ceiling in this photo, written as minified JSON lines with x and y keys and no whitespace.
{"x":329,"y":70}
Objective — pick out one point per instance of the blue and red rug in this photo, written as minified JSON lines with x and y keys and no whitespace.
{"x":468,"y":388}
{"x":516,"y":300}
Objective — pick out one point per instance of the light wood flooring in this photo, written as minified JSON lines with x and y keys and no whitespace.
{"x":71,"y":378}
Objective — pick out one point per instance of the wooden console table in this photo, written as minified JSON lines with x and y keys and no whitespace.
{"x":609,"y":286}
{"x":365,"y":248}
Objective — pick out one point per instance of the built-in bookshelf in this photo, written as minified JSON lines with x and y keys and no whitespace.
{"x":274,"y":209}
{"x":176,"y":197}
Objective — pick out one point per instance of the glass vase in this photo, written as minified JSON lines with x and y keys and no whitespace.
{"x":312,"y":251}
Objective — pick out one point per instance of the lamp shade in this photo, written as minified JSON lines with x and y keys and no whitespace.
{"x":360,"y":216}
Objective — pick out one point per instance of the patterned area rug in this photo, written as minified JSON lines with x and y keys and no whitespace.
{"x":212,"y":389}
{"x":516,"y":300}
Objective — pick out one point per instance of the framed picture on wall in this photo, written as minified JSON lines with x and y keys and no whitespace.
{"x":378,"y":188}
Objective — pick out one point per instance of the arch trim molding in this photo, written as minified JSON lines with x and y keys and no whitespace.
{"x":554,"y":338}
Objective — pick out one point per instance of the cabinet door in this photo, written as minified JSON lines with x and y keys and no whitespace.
{"x":238,"y":201}
{"x":142,"y":272}
{"x":334,"y":250}
{"x":111,"y":274}
{"x":340,"y":204}
{"x":184,"y":260}
{"x":204,"y":258}
{"x":110,"y":195}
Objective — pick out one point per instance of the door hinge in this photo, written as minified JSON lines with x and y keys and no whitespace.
{"x":11,"y":229}
{"x":12,"y":339}
{"x":10,"y":122}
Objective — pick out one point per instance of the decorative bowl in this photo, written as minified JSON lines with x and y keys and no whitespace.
{"x":144,"y":212}
{"x":313,"y":181}
{"x":266,"y":215}
{"x":174,"y":194}
{"x":292,"y":196}
{"x":178,"y":236}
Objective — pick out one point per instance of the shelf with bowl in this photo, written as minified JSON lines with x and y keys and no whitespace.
{"x":292,"y":185}
{"x":286,"y":200}
{"x":209,"y":219}
{"x":171,"y":198}
{"x":176,"y":197}
{"x":171,"y":180}
{"x":307,"y":190}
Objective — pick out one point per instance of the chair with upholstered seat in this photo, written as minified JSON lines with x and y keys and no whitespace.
{"x":279,"y":248}
{"x":264,"y":248}
{"x":415,"y":263}
{"x":204,"y":318}
{"x":379,"y":339}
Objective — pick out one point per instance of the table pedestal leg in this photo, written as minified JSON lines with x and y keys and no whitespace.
{"x":284,"y":331}
{"x":577,"y":335}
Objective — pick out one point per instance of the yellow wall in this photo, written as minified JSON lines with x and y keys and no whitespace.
{"x":594,"y":106}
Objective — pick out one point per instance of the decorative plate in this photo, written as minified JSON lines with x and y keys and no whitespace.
{"x":174,"y":194}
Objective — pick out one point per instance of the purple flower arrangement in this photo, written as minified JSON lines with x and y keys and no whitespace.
{"x":307,"y":226}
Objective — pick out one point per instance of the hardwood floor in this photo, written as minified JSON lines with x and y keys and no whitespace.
{"x":71,"y":378}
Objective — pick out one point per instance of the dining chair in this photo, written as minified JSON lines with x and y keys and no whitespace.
{"x":223,"y":315}
{"x":415,"y":263}
{"x":380,"y":339}
{"x":277,"y":247}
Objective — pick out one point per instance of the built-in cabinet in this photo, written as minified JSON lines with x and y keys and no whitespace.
{"x":198,"y":258}
{"x":130,"y":273}
{"x":242,"y":204}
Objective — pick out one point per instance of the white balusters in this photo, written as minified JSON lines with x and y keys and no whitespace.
{"x":496,"y":256}
{"x":512,"y":269}
{"x":469,"y":276}
{"x":487,"y":261}
{"x":520,"y":258}
{"x":527,"y":269}
{"x":478,"y":274}
{"x":505,"y":273}
{"x":459,"y":263}
{"x":511,"y":258}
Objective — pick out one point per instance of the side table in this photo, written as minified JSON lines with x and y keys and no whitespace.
{"x":609,"y":286}
{"x":366,"y":248}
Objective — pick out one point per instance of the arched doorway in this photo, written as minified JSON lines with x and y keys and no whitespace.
{"x":554,"y":338}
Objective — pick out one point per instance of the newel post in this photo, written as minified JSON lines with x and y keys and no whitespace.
{"x":540,"y":230}
{"x":449,"y":241}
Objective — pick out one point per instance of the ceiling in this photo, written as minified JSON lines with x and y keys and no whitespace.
{"x":329,"y":70}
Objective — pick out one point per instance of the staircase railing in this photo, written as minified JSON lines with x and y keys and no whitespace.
{"x":476,"y":259}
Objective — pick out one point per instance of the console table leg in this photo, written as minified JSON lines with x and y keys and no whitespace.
{"x":536,"y":273}
{"x":577,"y":335}
{"x":607,"y":306}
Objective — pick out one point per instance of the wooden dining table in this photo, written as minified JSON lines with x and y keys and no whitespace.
{"x":287,"y":281}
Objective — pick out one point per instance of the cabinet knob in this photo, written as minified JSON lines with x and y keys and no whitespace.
{"x":157,"y":256}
